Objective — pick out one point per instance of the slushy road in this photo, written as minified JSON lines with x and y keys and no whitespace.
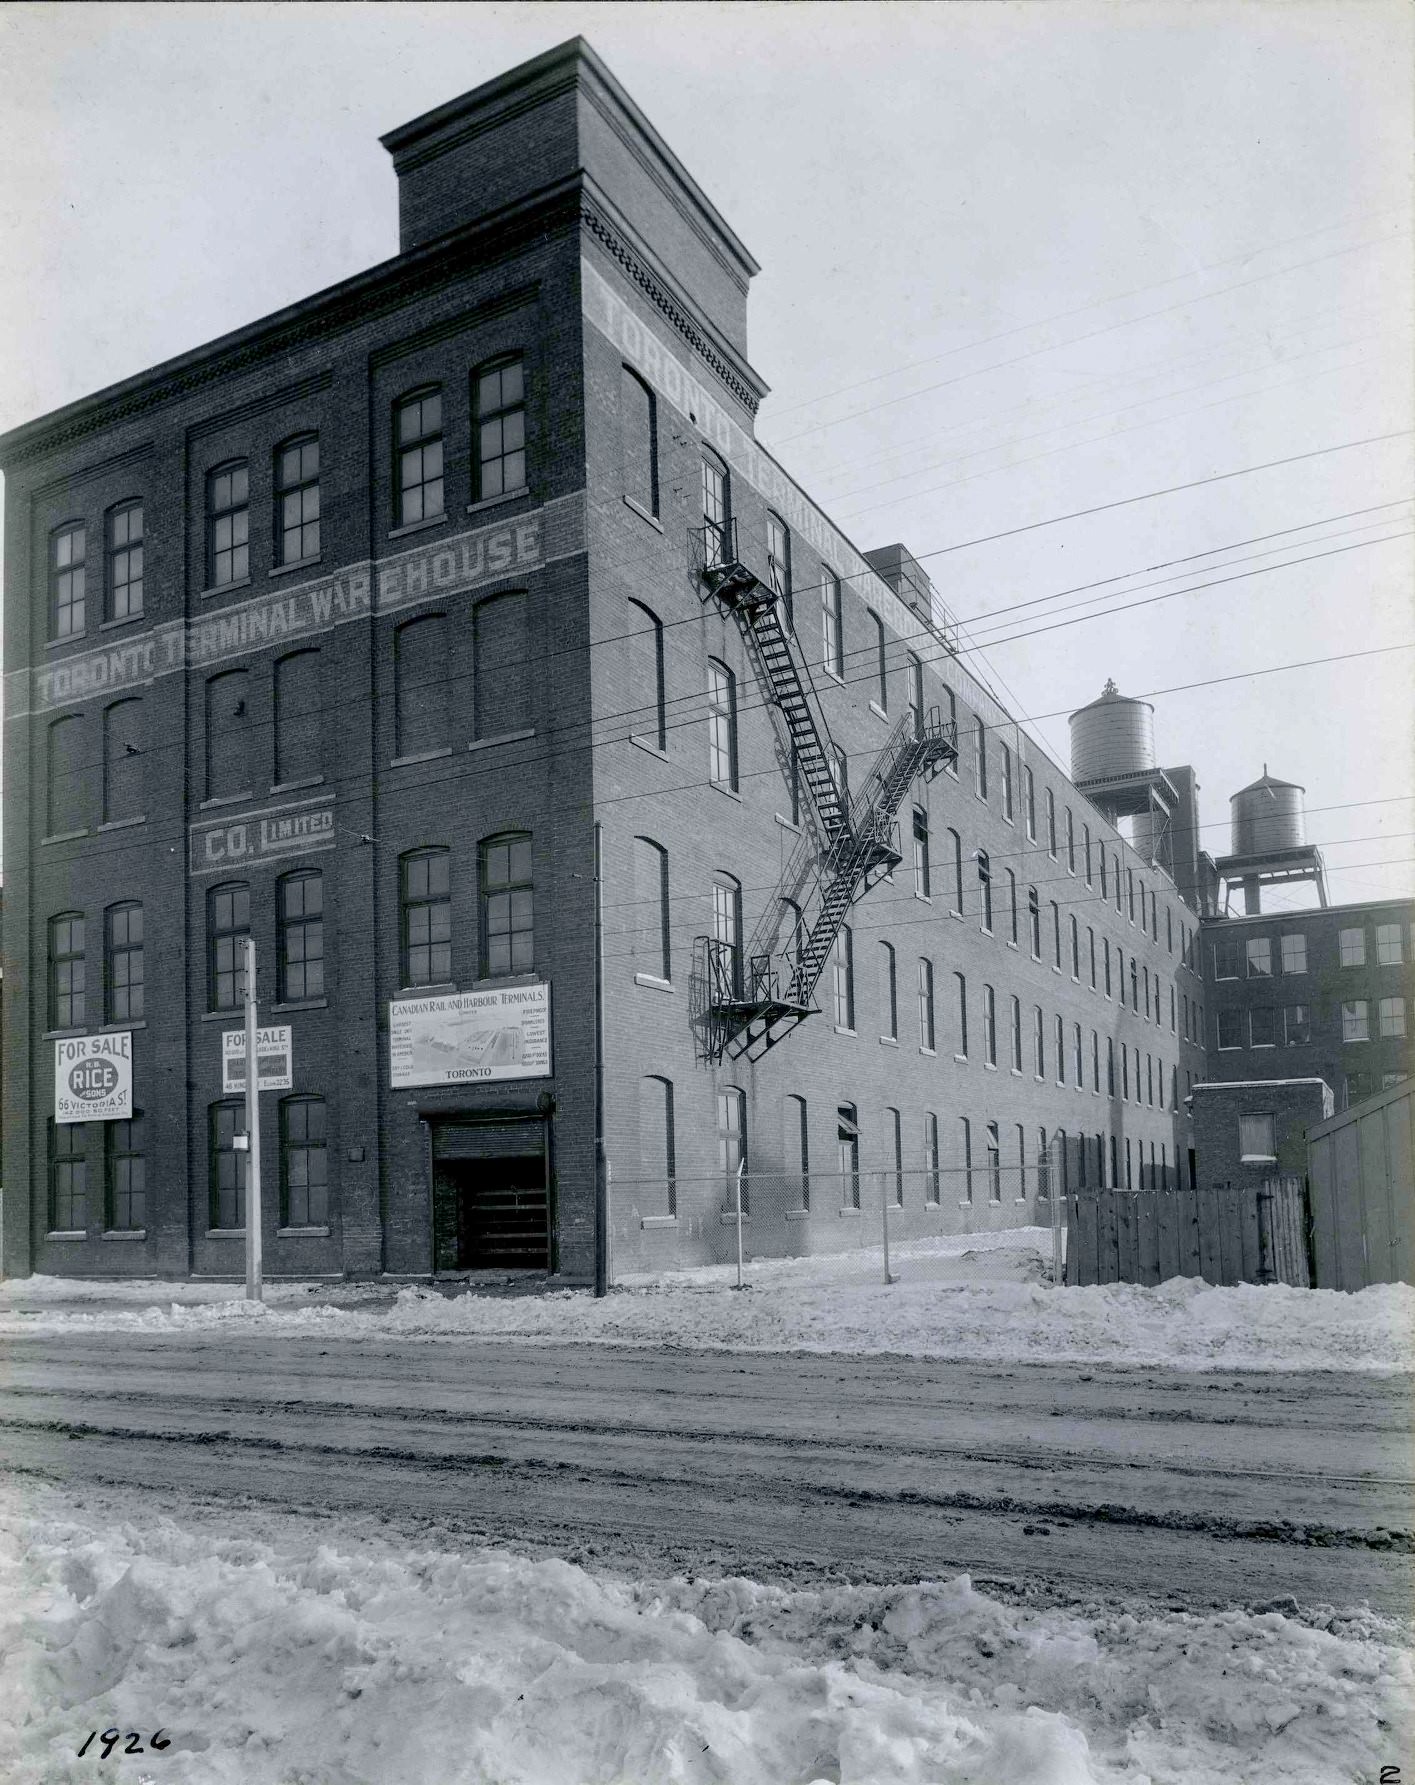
{"x":1056,"y":1481}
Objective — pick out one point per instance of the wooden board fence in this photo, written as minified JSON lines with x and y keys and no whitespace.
{"x":1233,"y":1233}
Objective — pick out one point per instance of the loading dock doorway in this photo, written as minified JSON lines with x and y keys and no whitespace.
{"x":491,"y":1194}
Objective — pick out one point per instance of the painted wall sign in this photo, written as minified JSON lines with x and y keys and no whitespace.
{"x":250,"y":839}
{"x":93,"y":1078}
{"x":444,"y":566}
{"x":469,"y":1037}
{"x":274,"y":1057}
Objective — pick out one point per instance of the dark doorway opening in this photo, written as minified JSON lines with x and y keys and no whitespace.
{"x":503,"y":1221}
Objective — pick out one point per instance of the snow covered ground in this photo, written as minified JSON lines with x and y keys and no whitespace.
{"x":973,"y":1297}
{"x":289,"y":1652}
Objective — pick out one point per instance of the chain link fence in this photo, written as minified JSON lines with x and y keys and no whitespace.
{"x":987,"y":1223}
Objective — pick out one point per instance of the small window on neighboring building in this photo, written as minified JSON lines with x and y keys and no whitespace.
{"x":1388,"y":945}
{"x":895,"y":1131}
{"x":1012,"y":905}
{"x":1086,"y":841}
{"x":1034,"y":919}
{"x":1227,"y":958}
{"x":1029,"y":801}
{"x":418,"y":453}
{"x":1070,"y":842}
{"x":657,"y":1140}
{"x":1230,"y":1028}
{"x":297,"y":500}
{"x":1353,"y":948}
{"x":1393,"y":1017}
{"x":1257,"y":1139}
{"x":1262,"y":1026}
{"x":125,"y":561}
{"x":507,"y":905}
{"x":1294,"y":954}
{"x":65,"y":806}
{"x":1355,"y":1024}
{"x":68,"y":548}
{"x":228,"y":525}
{"x":499,"y":429}
{"x":425,"y":900}
{"x":1260,"y":957}
{"x":732,"y":1139}
{"x":1039,"y":1042}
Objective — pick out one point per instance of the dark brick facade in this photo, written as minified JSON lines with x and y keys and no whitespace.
{"x":1294,"y":1105}
{"x":541,"y":217}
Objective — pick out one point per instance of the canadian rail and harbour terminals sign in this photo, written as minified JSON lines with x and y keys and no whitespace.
{"x":469,"y":1037}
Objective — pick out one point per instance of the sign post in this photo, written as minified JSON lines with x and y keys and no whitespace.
{"x":254,"y":1286}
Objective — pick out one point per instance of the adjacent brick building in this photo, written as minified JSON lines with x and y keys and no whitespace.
{"x":357,"y":629}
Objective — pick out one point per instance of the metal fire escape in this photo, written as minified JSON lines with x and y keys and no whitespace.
{"x":745,"y":1008}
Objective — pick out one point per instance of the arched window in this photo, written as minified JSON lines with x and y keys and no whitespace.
{"x":651,"y":929}
{"x":717,"y":509}
{"x":727,"y":934}
{"x":638,"y":441}
{"x":994,"y":1147}
{"x":425,"y":907}
{"x":228,"y":765}
{"x":646,"y":673}
{"x":124,"y":540}
{"x":931,"y":1184}
{"x":304,"y":1162}
{"x":228,"y":923}
{"x":888,"y":994}
{"x":297,"y":500}
{"x":123,"y":759}
{"x":657,"y":1148}
{"x":501,"y":672}
{"x":965,"y":1162}
{"x":990,"y":1025}
{"x":832,"y":624}
{"x":507,"y":904}
{"x":985,"y":888}
{"x":123,"y":969}
{"x":499,"y":428}
{"x":881,"y":663}
{"x":417,"y":438}
{"x":64,"y":801}
{"x":722,"y":725}
{"x":228,"y":525}
{"x":68,"y":974}
{"x":68,"y":549}
{"x":926,"y":1004}
{"x":1016,"y":1034}
{"x":300,"y":908}
{"x":923,"y":886}
{"x":421,"y":725}
{"x":226,"y":1165}
{"x":960,"y":1001}
{"x":299,"y":755}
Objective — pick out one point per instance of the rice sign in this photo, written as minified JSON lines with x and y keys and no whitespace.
{"x":93,"y":1078}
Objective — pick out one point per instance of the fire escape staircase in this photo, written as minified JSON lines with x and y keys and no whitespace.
{"x":745,"y":1010}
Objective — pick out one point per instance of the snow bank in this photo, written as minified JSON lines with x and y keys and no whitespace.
{"x":276,"y":1657}
{"x":972,"y":1299}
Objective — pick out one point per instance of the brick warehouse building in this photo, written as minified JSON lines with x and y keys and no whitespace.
{"x":360,"y":628}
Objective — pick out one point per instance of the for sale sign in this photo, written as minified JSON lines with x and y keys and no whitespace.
{"x":93,"y":1078}
{"x":274,"y":1060}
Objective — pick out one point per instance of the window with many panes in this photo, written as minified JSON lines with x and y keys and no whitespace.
{"x":499,"y":429}
{"x":722,"y":725}
{"x":300,"y":906}
{"x":124,"y":594}
{"x":228,"y":525}
{"x":417,"y":436}
{"x":1355,"y":1024}
{"x":68,"y":1003}
{"x":425,"y":902}
{"x":68,"y":548}
{"x":125,"y":1175}
{"x":123,"y":963}
{"x":1353,"y":948}
{"x":227,"y":1165}
{"x":717,"y":514}
{"x":1392,"y":1014}
{"x":68,"y":1177}
{"x":507,"y":905}
{"x":1260,"y":957}
{"x":304,"y":1163}
{"x":297,"y":500}
{"x":1388,"y":945}
{"x":1294,"y":954}
{"x":228,"y":923}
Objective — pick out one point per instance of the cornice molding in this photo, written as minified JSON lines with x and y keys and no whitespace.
{"x":275,"y":399}
{"x":98,"y":468}
{"x":615,"y":245}
{"x":479,"y":314}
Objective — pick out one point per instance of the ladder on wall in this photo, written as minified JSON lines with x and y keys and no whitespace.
{"x":745,"y":1008}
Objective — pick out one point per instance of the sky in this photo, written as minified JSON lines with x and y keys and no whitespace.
{"x":1018,"y":261}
